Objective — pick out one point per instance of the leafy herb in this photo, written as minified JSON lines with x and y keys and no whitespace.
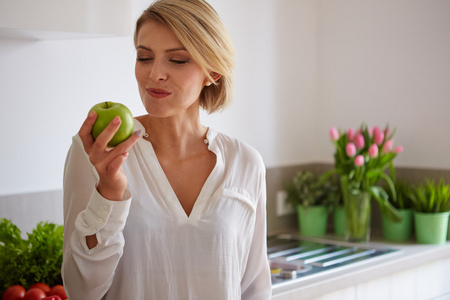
{"x":27,"y":261}
{"x":404,"y":195}
{"x":307,"y":189}
{"x":432,"y":197}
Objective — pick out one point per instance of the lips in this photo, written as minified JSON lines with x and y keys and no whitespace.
{"x":158,"y":93}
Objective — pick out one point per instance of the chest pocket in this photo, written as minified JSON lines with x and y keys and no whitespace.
{"x":241,"y":195}
{"x":231,"y":211}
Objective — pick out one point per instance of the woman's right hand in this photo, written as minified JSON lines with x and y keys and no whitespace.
{"x":108,"y":162}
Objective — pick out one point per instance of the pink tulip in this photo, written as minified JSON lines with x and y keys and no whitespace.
{"x":359,"y":141}
{"x":334,"y":134}
{"x":387,"y":132}
{"x":373,"y":151}
{"x":379,"y":138}
{"x":359,"y":160}
{"x":350,"y":149}
{"x":370,"y":131}
{"x":398,"y":149}
{"x":376,"y":130}
{"x":350,"y":134}
{"x":387,"y":146}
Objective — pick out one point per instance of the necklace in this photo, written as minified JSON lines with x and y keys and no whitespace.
{"x":146,"y":136}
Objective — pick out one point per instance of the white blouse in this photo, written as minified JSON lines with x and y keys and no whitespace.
{"x":148,"y":248}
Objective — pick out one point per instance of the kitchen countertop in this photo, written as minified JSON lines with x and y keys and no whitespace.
{"x":410,"y":255}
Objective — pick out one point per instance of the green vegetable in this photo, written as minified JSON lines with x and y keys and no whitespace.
{"x":27,"y":261}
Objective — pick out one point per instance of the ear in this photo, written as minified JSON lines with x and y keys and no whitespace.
{"x":215,"y":76}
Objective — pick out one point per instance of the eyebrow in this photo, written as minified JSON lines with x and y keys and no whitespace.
{"x":168,"y":50}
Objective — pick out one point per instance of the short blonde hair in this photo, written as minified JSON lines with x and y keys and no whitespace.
{"x":199,"y":28}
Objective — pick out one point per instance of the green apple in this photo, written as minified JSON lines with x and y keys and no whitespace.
{"x":106,"y":112}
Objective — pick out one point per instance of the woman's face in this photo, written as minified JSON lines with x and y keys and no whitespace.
{"x":169,"y":80}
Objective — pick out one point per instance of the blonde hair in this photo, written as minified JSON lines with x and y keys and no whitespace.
{"x":198,"y":27}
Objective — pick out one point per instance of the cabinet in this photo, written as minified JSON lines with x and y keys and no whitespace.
{"x":420,"y":283}
{"x":52,"y":19}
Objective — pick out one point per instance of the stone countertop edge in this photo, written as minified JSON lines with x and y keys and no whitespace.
{"x":411,"y":255}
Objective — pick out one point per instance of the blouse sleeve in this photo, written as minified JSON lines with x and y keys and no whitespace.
{"x":88,"y":273}
{"x":256,"y":283}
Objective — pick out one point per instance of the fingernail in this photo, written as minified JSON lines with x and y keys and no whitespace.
{"x":91,"y":114}
{"x":116,"y":120}
{"x":138,"y":133}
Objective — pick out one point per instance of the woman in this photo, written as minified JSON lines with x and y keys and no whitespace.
{"x":177,"y":211}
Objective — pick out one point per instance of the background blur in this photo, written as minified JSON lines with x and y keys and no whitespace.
{"x":301,"y":67}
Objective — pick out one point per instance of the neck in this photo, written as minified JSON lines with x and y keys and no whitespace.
{"x":173,"y":136}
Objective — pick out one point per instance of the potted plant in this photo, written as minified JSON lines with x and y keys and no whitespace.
{"x":432,"y":208}
{"x":361,"y":159}
{"x":308,"y":193}
{"x":333,"y":194}
{"x":399,"y":231}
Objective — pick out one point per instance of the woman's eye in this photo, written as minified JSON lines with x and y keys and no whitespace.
{"x":143,"y":58}
{"x":178,"y":61}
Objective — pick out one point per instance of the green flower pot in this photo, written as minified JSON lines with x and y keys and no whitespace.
{"x":448,"y":230}
{"x":398,"y":231}
{"x":312,"y":220}
{"x":339,"y":221}
{"x":431,"y":228}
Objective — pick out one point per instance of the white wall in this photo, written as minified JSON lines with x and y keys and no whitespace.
{"x":276,"y":66}
{"x":385,"y":62}
{"x":47,"y":87}
{"x":302,"y":66}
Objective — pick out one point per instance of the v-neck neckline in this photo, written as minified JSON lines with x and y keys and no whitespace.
{"x":207,"y":190}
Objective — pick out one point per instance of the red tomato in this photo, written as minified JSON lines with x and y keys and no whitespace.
{"x":14,"y":292}
{"x":41,"y":286}
{"x":34,"y":294}
{"x":54,"y":297}
{"x":58,"y":290}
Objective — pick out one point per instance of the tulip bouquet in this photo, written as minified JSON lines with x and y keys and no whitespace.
{"x":362,"y":158}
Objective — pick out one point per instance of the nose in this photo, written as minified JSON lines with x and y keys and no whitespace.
{"x":158,"y":71}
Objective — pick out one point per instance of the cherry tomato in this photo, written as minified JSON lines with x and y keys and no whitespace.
{"x":41,"y":286}
{"x":34,"y":294}
{"x":54,"y":297}
{"x":58,"y":290}
{"x":14,"y":292}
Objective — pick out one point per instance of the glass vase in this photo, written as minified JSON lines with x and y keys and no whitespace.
{"x":357,"y":216}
